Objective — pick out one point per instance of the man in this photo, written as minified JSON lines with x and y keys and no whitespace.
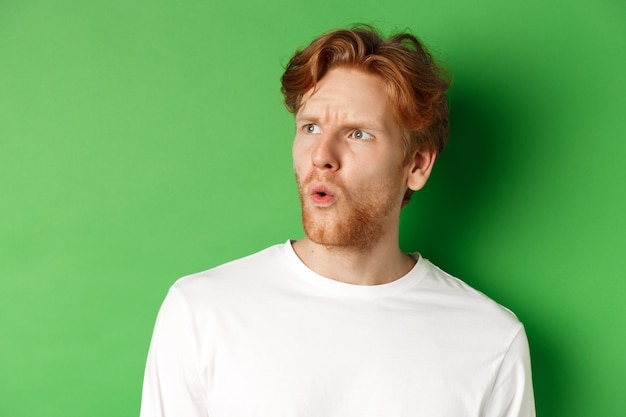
{"x":342,"y":322}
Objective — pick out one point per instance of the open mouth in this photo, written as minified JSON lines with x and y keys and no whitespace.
{"x":321,"y":191}
{"x":321,"y":195}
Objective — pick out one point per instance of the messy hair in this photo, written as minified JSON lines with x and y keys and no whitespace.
{"x":416,"y":86}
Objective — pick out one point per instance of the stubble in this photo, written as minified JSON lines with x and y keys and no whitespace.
{"x":356,"y":221}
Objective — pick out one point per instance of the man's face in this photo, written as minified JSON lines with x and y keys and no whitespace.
{"x":348,"y":159}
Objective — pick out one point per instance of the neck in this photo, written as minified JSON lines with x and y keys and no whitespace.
{"x":384,"y":262}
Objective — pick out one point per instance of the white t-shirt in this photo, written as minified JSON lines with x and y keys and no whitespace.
{"x":266,"y":336}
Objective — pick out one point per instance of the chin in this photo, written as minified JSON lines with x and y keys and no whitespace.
{"x":352,"y":232}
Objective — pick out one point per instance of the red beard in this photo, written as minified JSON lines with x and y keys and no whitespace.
{"x":356,"y":221}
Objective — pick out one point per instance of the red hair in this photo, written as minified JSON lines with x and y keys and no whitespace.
{"x":415,"y":85}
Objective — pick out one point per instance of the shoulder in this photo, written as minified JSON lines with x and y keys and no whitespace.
{"x":233,"y":278}
{"x":461,"y":301}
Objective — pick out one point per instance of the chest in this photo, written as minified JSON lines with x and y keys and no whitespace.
{"x":344,"y":360}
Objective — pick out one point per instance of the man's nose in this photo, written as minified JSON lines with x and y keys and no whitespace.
{"x":326,"y":154}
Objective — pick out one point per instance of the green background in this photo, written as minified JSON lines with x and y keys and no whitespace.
{"x":144,"y":140}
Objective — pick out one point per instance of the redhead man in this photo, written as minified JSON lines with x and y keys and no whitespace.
{"x":342,"y":323}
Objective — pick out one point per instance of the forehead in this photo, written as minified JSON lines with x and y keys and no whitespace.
{"x":348,"y":94}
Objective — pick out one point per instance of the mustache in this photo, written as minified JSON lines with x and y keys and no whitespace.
{"x":316,"y":176}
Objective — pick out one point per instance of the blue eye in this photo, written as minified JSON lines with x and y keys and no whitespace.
{"x":312,"y":128}
{"x":361,"y":134}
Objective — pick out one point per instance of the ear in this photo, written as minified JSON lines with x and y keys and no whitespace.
{"x":420,"y":166}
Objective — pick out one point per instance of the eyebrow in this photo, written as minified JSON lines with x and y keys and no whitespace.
{"x":307,"y":117}
{"x":351,"y":124}
{"x":311,"y":117}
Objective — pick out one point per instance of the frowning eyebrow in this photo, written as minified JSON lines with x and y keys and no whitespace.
{"x":300,"y":117}
{"x":346,"y":123}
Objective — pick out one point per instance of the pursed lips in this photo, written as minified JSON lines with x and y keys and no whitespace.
{"x":321,"y":195}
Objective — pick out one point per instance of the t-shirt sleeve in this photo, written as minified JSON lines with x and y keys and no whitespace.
{"x":512,"y":394}
{"x":172,"y":385}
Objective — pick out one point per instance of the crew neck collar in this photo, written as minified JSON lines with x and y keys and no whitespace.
{"x":353,"y":290}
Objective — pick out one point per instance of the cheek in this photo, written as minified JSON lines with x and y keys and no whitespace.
{"x":382,"y":166}
{"x":391,"y":175}
{"x":298,"y":154}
